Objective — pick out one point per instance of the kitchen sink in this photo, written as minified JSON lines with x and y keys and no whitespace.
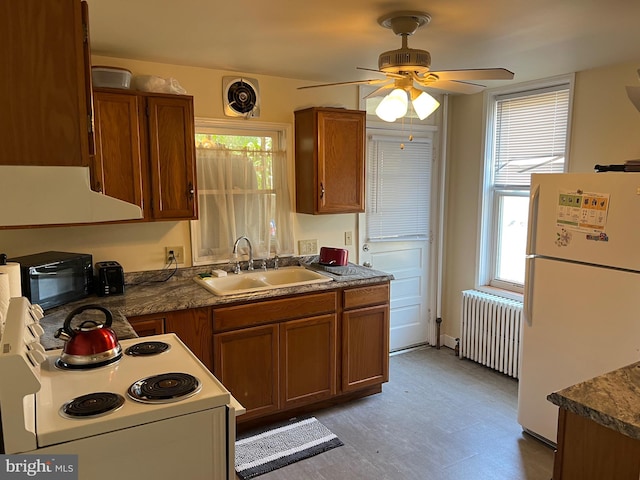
{"x":258,"y":280}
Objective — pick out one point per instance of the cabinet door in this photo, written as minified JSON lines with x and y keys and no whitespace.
{"x":365,"y":347}
{"x":43,"y":85}
{"x":118,"y":163}
{"x":329,"y":152}
{"x":341,"y":162}
{"x":246,"y":362}
{"x":307,"y":360}
{"x":194,"y":327}
{"x":147,"y":325}
{"x":172,"y":157}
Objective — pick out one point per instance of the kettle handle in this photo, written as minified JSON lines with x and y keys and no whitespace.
{"x":67,"y":321}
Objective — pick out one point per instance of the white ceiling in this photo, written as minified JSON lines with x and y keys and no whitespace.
{"x":324,"y":41}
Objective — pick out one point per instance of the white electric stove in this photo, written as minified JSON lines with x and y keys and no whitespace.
{"x":157,"y":411}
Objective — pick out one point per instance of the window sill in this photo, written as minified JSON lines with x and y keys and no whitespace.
{"x":499,"y":292}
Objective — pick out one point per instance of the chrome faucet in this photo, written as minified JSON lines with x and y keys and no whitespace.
{"x":235,"y":254}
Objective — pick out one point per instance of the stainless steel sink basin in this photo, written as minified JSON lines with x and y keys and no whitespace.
{"x":259,"y":280}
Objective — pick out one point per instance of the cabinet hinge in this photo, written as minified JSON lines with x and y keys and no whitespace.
{"x":89,"y":124}
{"x":85,"y":32}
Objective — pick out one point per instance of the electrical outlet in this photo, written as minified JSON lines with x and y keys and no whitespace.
{"x":308,"y":247}
{"x":348,"y":238}
{"x":178,"y":254}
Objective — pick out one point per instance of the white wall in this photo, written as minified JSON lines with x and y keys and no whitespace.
{"x":141,"y":246}
{"x":605,"y":129}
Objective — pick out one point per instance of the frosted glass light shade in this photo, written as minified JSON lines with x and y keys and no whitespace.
{"x":424,"y":105}
{"x":393,"y":106}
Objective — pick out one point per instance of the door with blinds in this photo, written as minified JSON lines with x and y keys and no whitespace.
{"x":395,"y":231}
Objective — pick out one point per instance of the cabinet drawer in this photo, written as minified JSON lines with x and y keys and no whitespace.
{"x":363,"y":296}
{"x":239,"y":316}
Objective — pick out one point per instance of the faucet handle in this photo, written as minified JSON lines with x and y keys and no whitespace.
{"x":263,"y":264}
{"x":276,"y":260}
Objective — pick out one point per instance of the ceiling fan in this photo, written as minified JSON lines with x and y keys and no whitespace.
{"x":406,"y":68}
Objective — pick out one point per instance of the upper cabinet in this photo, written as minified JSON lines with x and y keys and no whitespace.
{"x":329,"y":150}
{"x":45,"y":92}
{"x":145,"y":151}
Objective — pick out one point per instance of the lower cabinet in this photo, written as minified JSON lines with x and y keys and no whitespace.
{"x":307,"y":360}
{"x":246,"y":362}
{"x":194,"y":327}
{"x":590,"y":451}
{"x":286,"y":353}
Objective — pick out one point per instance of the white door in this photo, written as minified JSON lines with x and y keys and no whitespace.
{"x":395,"y":231}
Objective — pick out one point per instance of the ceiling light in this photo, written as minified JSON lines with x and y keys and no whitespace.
{"x":423,"y":103}
{"x":393,"y":106}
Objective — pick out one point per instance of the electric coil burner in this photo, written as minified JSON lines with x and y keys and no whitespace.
{"x":164,"y":388}
{"x":147,"y":348}
{"x":47,"y":410}
{"x":92,"y":405}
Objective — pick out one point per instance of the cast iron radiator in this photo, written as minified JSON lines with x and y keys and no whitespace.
{"x":491,"y":331}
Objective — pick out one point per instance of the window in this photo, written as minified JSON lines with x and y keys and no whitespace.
{"x":242,"y":190}
{"x":527,"y":133}
{"x":398,"y":183}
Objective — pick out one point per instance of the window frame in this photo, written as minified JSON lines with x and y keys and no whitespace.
{"x":282,"y":138}
{"x":489,"y":195}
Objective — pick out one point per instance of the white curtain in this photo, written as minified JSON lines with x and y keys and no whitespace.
{"x":242,"y":192}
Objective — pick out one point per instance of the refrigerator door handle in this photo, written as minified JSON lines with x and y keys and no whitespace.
{"x":534,"y":198}
{"x":527,"y":305}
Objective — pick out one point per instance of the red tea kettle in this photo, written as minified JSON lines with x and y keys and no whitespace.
{"x":92,"y":344}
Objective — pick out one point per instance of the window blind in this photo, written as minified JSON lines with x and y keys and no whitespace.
{"x":399,"y":186}
{"x":530,"y":135}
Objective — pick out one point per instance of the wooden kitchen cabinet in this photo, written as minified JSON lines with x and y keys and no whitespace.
{"x":277,"y":354}
{"x":329,"y":159}
{"x":246,"y":362}
{"x":590,"y":451}
{"x":193,"y":326}
{"x":148,"y":325}
{"x":145,"y":151}
{"x":365,"y":337}
{"x":308,"y":360}
{"x":119,"y":166}
{"x":45,"y":88}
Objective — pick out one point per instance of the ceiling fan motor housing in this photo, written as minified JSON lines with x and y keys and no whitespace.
{"x":241,"y":97}
{"x":405,"y":59}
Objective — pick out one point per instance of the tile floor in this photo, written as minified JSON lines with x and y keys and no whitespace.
{"x":438,"y":418}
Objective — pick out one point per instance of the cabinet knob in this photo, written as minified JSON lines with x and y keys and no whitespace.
{"x":321,"y":190}
{"x":190,"y":190}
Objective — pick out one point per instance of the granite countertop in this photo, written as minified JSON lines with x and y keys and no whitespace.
{"x":611,"y":400}
{"x":165,"y":291}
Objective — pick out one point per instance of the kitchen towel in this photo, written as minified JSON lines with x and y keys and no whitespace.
{"x":13,"y":270}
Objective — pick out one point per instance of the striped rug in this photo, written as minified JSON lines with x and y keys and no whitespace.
{"x":273,"y":449}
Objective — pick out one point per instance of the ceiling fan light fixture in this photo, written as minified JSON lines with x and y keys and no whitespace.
{"x":424,"y":105}
{"x":393,"y":106}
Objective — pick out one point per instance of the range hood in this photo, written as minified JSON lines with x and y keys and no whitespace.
{"x":39,"y":195}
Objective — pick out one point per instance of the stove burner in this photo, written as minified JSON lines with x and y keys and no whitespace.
{"x":147,"y":348}
{"x":85,"y":366}
{"x":164,"y":388}
{"x":92,"y":405}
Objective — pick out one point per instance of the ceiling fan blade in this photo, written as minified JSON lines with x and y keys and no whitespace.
{"x":388,"y":74}
{"x":355,"y":82}
{"x":454,"y":86}
{"x":381,"y":90}
{"x":474,"y":74}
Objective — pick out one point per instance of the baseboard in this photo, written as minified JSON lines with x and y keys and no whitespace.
{"x":448,"y":341}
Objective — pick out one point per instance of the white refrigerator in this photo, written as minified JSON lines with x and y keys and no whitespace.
{"x":582,"y":287}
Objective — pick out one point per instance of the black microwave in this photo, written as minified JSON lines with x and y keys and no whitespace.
{"x":51,"y":279}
